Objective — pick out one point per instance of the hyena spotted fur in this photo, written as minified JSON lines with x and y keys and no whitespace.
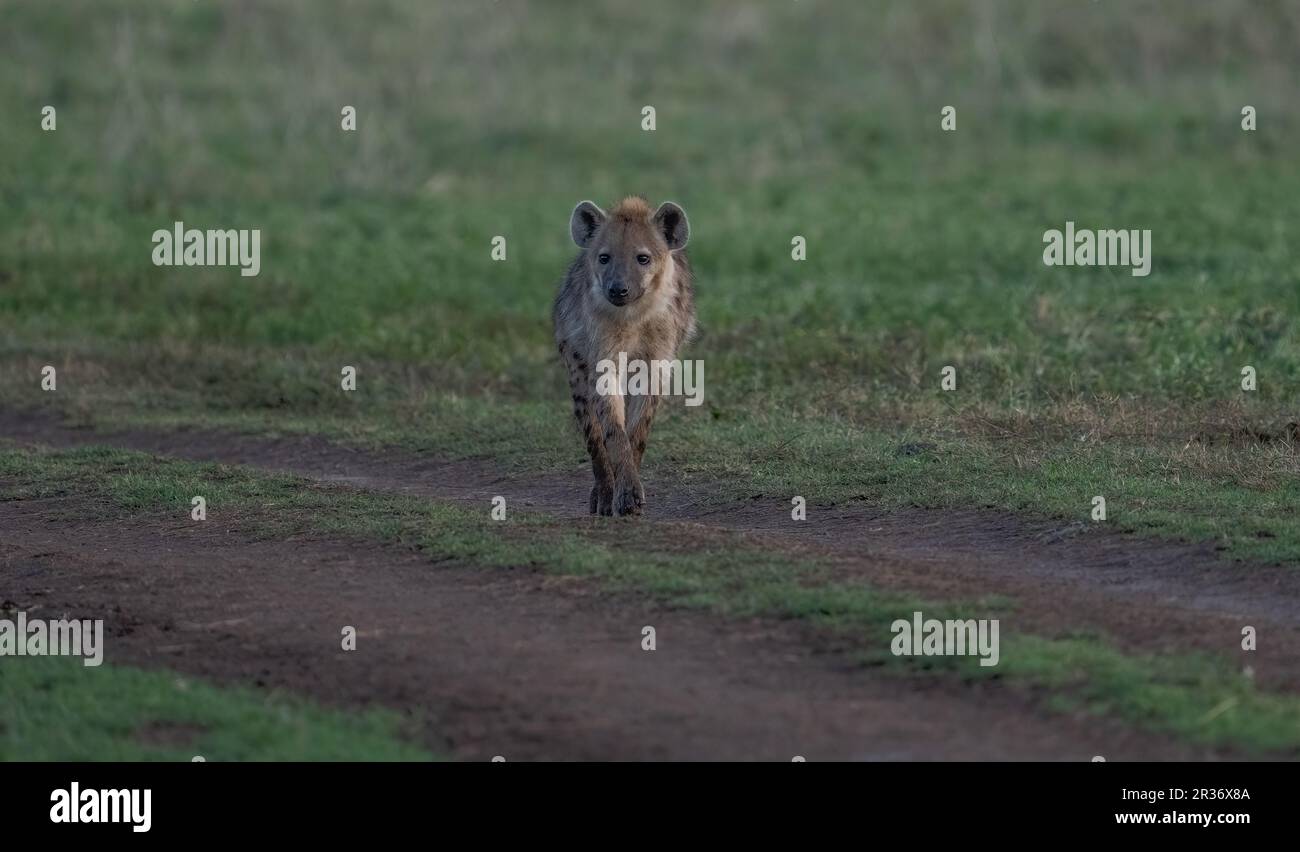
{"x":630,"y":290}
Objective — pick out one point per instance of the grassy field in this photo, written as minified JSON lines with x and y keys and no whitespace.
{"x":774,"y":119}
{"x":63,"y":711}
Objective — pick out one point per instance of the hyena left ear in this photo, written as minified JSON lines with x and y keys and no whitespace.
{"x":671,"y":222}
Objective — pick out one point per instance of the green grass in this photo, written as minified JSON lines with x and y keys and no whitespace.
{"x":813,"y":118}
{"x":57,"y":709}
{"x":1199,"y":698}
{"x":1189,"y":696}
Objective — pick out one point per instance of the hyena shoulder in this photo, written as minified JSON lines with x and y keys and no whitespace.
{"x":569,"y":314}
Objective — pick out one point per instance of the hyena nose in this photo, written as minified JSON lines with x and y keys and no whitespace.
{"x":618,"y":291}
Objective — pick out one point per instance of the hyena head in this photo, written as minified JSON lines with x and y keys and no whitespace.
{"x":628,"y":252}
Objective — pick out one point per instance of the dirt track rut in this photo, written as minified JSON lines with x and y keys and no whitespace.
{"x":497,"y":662}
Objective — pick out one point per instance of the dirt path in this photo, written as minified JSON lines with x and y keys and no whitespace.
{"x":487,"y":662}
{"x":1145,"y":594}
{"x":528,"y":666}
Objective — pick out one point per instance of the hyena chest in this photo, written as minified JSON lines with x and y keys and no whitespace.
{"x":655,"y":338}
{"x":637,"y":363}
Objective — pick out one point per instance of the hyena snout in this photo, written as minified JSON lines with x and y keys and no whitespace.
{"x":617,"y":293}
{"x":622,"y":288}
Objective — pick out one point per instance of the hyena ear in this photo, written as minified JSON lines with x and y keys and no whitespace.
{"x":671,"y":222}
{"x":585,"y":222}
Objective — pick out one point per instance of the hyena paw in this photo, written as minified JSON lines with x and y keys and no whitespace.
{"x":626,"y":501}
{"x":601,"y":501}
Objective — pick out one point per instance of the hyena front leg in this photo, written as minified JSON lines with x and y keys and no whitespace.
{"x":627,"y":485}
{"x":641,"y":415}
{"x":602,"y":492}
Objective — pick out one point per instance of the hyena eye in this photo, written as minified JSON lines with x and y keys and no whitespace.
{"x":643,"y":259}
{"x":603,"y":258}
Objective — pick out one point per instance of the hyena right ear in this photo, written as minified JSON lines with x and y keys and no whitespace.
{"x":585,"y":222}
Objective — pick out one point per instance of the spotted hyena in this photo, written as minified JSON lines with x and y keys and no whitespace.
{"x":629,"y":291}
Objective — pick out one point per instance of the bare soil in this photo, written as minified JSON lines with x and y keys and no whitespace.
{"x":512,"y":662}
